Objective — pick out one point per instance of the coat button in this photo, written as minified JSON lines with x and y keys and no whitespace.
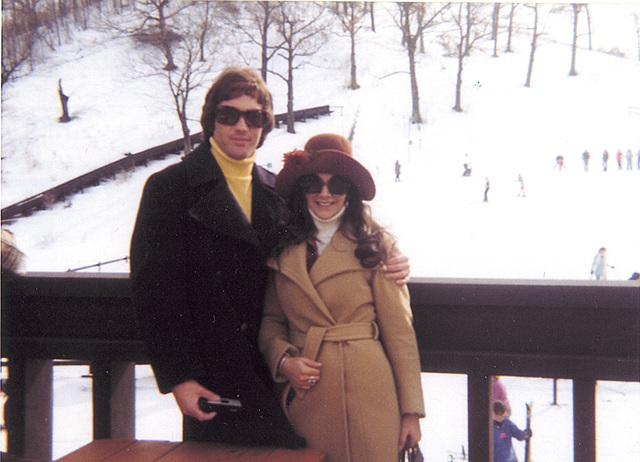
{"x":244,"y":327}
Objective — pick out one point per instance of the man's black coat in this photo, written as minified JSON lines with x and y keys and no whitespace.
{"x":198,"y":280}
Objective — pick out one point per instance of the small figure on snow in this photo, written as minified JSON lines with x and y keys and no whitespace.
{"x":559,"y":163}
{"x":605,"y":160}
{"x":635,"y":276}
{"x":619,"y":159}
{"x":521,"y":181}
{"x":600,"y":265}
{"x":503,"y":430}
{"x":398,"y":170}
{"x":629,"y":157}
{"x":585,"y":158}
{"x":467,"y":170}
{"x":467,"y":166}
{"x":487,"y":186}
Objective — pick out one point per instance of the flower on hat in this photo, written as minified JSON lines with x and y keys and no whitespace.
{"x":296,"y":160}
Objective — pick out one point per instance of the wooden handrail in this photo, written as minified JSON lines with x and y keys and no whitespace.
{"x":583,"y":331}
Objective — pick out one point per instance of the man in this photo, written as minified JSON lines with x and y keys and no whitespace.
{"x":204,"y":229}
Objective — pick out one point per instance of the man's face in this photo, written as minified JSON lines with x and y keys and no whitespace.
{"x":238,"y":141}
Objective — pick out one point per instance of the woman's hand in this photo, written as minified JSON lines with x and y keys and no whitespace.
{"x":410,"y":434}
{"x":303,"y":373}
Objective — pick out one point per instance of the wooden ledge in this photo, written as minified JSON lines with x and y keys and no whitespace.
{"x":126,"y":450}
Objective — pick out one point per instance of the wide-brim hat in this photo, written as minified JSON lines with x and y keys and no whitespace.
{"x":325,"y":153}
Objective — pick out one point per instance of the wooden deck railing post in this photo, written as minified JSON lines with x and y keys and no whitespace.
{"x":480,"y":430}
{"x":29,"y":408}
{"x":113,"y":399}
{"x":584,"y":420}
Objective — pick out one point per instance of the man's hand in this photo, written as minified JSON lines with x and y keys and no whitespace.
{"x":187,"y":395}
{"x":397,"y":267}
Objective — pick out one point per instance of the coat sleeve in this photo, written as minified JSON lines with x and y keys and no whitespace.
{"x":395,"y":320}
{"x":274,"y":332}
{"x":158,"y":278}
{"x":515,"y":431}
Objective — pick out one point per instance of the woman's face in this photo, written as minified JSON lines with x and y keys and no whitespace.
{"x":325,"y":204}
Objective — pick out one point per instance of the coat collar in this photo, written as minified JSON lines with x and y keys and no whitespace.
{"x":218,"y":210}
{"x":337,"y":258}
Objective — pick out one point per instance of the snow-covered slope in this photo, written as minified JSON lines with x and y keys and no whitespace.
{"x":439,"y":216}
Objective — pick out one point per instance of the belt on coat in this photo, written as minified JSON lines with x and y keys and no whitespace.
{"x":316,"y":335}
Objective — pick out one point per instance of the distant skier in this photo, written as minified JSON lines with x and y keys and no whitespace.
{"x":605,"y":160}
{"x":398,"y":170}
{"x":585,"y":159}
{"x":467,"y":166}
{"x":559,"y":163}
{"x":600,"y":265}
{"x":467,"y":169}
{"x":619,"y":159}
{"x":487,"y":186}
{"x":521,"y":181}
{"x":503,"y":430}
{"x":629,"y":157}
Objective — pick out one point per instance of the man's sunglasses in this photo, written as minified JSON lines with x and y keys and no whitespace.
{"x":313,"y":184}
{"x":228,"y":115}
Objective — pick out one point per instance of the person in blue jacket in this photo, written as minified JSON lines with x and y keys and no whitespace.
{"x":503,"y":430}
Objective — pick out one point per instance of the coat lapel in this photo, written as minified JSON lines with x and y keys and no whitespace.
{"x":337,"y":258}
{"x":218,"y":209}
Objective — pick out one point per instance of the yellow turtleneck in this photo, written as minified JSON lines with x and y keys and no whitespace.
{"x":238,"y":176}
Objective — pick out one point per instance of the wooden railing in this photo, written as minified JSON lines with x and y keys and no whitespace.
{"x":583,"y":331}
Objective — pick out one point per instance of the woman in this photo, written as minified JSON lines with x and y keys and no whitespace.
{"x":335,"y":331}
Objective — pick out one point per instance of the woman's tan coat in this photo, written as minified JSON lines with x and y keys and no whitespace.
{"x":359,"y":326}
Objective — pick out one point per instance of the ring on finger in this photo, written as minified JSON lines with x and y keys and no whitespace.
{"x":312,"y":380}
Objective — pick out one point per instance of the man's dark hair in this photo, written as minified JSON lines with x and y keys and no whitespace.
{"x":232,"y":83}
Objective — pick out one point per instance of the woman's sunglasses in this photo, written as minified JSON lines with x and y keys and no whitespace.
{"x":313,"y":184}
{"x":228,"y":115}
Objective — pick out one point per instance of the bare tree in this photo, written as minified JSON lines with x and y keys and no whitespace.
{"x":636,"y":22}
{"x":303,"y":32}
{"x":20,"y":23}
{"x":156,"y":25}
{"x":495,"y":28}
{"x":534,"y":43}
{"x":351,"y":15}
{"x":186,"y":75}
{"x":510,"y":34}
{"x":413,"y":19}
{"x":188,"y":71}
{"x":574,"y":47}
{"x":256,"y":23}
{"x":471,"y":26}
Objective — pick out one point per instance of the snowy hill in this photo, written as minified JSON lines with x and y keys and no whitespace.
{"x":439,"y":216}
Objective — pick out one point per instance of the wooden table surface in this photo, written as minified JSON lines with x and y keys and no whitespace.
{"x":127,"y":450}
